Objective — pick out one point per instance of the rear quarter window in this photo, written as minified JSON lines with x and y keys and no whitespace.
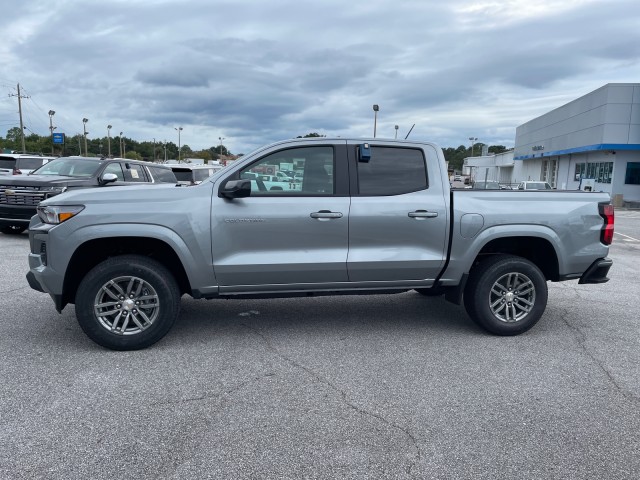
{"x":162,"y":175}
{"x":7,"y":162}
{"x":29,"y":163}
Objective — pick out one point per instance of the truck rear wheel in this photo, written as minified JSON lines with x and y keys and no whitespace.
{"x":506,"y":294}
{"x":127,"y":302}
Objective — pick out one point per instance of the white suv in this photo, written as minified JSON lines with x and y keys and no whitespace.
{"x":21,"y":164}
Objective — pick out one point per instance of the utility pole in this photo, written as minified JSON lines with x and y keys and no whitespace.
{"x":20,"y":97}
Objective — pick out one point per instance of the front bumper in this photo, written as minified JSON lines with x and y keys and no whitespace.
{"x":41,"y":277}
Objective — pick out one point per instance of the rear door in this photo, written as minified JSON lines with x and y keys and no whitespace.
{"x":398,"y":219}
{"x":294,"y":237}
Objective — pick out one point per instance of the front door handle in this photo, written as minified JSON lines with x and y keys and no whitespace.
{"x":422,"y":214}
{"x":326,"y":214}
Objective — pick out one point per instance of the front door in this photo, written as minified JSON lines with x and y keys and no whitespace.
{"x":288,"y":235}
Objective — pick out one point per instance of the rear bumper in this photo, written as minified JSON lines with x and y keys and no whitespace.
{"x":597,"y":272}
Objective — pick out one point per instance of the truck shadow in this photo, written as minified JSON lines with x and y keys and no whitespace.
{"x":354,"y":314}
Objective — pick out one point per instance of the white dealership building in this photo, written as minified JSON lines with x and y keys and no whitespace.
{"x":592,"y":142}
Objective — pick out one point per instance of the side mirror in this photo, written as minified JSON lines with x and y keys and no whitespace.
{"x":108,"y":178}
{"x":236,"y":189}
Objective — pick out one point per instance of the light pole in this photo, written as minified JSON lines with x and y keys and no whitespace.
{"x":120,"y":139}
{"x":396,"y":127}
{"x":221,"y":139}
{"x":165,"y":150}
{"x":179,"y":129}
{"x":109,"y":141}
{"x":472,"y":140}
{"x":84,"y":127}
{"x":375,"y":119}
{"x":51,"y":127}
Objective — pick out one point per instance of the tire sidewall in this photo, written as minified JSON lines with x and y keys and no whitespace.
{"x":150,"y":271}
{"x":493,"y":269}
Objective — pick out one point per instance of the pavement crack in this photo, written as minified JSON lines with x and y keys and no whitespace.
{"x":343,"y":396}
{"x":581,"y":339}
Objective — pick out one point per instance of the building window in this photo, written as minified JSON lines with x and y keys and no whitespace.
{"x":632,"y":175}
{"x":600,"y":171}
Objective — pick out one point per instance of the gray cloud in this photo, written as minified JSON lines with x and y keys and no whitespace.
{"x":256,"y":72}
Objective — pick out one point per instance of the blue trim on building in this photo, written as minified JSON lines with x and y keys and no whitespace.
{"x":587,"y":148}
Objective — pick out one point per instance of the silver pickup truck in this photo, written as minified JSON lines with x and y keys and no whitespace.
{"x":358,"y":217}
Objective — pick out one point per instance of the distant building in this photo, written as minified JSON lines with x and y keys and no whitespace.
{"x":593,"y":139}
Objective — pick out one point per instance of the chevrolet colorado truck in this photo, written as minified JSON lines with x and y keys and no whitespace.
{"x":364,"y":216}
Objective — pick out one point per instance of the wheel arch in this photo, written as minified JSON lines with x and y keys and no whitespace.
{"x":92,"y":252}
{"x":540,"y":251}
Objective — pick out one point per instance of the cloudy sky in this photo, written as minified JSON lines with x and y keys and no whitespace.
{"x":256,"y":71}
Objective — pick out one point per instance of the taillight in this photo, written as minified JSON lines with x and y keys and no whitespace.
{"x":16,"y":171}
{"x":606,"y":233}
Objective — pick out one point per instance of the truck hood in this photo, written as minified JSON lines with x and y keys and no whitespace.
{"x":115,"y":194}
{"x":45,"y":181}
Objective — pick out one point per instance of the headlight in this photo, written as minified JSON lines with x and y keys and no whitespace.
{"x":53,"y":191}
{"x":55,"y":214}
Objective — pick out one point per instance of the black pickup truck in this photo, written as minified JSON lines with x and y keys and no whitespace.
{"x":21,"y":194}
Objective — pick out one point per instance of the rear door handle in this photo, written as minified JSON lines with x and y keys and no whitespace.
{"x":326,"y":214}
{"x":422,"y":214}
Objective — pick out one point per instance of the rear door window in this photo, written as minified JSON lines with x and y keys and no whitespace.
{"x":134,"y":173}
{"x":392,"y":171}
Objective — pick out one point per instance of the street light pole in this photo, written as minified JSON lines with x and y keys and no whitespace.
{"x":51,"y":127}
{"x":109,"y":141}
{"x":84,"y":127}
{"x":120,"y":140}
{"x":375,"y":119}
{"x":179,"y":129}
{"x":472,"y":140}
{"x":220,"y":154}
{"x":396,"y":127}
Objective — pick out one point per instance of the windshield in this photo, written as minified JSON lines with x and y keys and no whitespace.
{"x":70,"y":167}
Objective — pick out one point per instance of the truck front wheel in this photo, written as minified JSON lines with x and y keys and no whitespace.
{"x":127,"y":302}
{"x":506,"y":294}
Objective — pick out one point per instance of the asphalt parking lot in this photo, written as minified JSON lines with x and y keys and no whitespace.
{"x":398,"y":386}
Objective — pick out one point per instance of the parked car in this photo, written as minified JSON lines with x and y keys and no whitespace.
{"x":534,"y":186}
{"x":20,"y":195}
{"x":193,"y":174}
{"x":21,"y":164}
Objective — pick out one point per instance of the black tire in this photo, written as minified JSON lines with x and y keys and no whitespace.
{"x":127,"y":302}
{"x":493,"y":300}
{"x":431,"y":292}
{"x":12,"y":229}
